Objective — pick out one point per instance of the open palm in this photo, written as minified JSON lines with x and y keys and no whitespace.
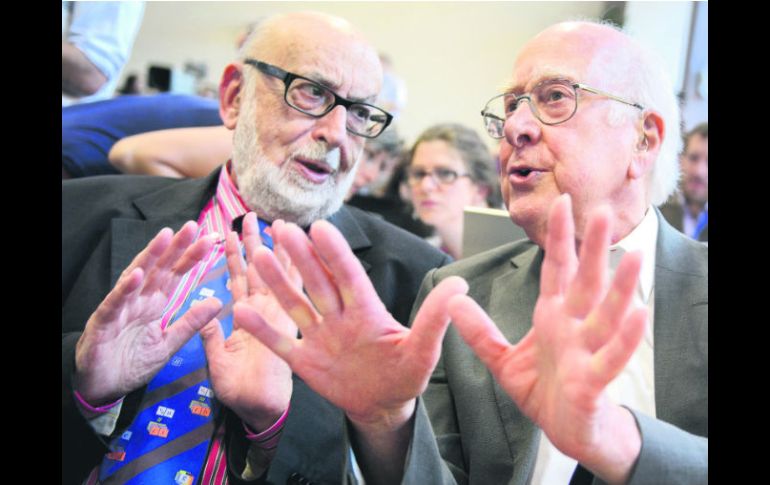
{"x":123,"y":344}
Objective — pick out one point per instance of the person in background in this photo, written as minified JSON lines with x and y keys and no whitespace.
{"x":157,"y":386}
{"x":688,"y":209}
{"x":554,"y":370}
{"x":450,"y":168}
{"x":96,"y":43}
{"x":377,"y":163}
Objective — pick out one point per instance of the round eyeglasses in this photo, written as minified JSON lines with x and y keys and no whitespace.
{"x":441,"y":176}
{"x":313,"y":99}
{"x":552,"y":101}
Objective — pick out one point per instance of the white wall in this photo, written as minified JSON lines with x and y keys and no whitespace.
{"x":696,"y":107}
{"x":453,"y":55}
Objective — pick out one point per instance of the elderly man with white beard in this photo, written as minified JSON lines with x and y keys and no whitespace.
{"x":156,"y":385}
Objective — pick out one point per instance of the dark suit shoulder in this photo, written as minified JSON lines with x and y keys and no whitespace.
{"x":395,"y":260}
{"x":92,"y":198}
{"x":128,"y":186}
{"x":399,"y":243}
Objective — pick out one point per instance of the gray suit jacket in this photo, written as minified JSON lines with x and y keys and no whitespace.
{"x":106,"y":221}
{"x":482,"y":436}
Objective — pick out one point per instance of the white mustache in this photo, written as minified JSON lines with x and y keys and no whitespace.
{"x":320,"y":151}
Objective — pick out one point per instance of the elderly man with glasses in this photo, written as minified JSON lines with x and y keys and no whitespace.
{"x":157,"y":386}
{"x":580,"y":354}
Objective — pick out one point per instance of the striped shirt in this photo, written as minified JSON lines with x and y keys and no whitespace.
{"x":216,"y":216}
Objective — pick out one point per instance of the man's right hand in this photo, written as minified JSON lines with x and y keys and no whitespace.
{"x":123,"y":345}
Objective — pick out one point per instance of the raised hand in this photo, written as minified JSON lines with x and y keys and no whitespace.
{"x":582,"y":337}
{"x":123,"y":345}
{"x":247,"y":377}
{"x":352,"y":351}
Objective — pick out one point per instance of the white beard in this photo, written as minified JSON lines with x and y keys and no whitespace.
{"x":280,"y":192}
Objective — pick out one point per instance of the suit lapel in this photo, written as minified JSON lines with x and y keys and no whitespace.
{"x":171,"y":207}
{"x":354,"y":235}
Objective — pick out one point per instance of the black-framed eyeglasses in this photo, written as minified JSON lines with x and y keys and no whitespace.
{"x":552,"y":101}
{"x":313,"y":99}
{"x":442,"y":176}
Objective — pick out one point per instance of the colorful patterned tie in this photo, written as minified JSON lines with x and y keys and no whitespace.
{"x":168,"y":440}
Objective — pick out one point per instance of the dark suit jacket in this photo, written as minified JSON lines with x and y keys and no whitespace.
{"x":106,"y":221}
{"x":482,"y":436}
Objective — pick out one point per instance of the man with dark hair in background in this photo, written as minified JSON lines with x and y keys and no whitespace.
{"x":688,"y":209}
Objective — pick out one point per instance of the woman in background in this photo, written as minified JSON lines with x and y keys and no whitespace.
{"x":450,"y":168}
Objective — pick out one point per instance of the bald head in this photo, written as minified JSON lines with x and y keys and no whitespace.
{"x":608,"y":151}
{"x":288,"y":38}
{"x":611,"y":60}
{"x":603,"y":48}
{"x":289,"y":163}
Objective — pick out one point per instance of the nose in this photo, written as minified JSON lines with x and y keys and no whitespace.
{"x":428,"y":183}
{"x":331,"y":128}
{"x":702,"y":168}
{"x":522,"y":126}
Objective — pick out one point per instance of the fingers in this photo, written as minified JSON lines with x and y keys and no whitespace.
{"x":284,"y":259}
{"x":432,"y":318}
{"x":191,"y":322}
{"x":150,"y":254}
{"x":560,"y":260}
{"x":591,"y":279}
{"x":179,"y":243}
{"x":190,"y":257}
{"x":236,"y":266}
{"x":479,"y":331}
{"x":610,"y":360}
{"x":603,"y":323}
{"x":281,"y":344}
{"x":288,"y":295}
{"x":250,"y":234}
{"x":318,"y":281}
{"x":179,"y":257}
{"x":352,"y":280}
{"x":213,"y":338}
{"x":114,"y":302}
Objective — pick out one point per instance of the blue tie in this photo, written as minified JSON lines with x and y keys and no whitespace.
{"x":168,"y":440}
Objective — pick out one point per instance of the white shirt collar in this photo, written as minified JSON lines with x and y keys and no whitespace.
{"x":643,"y":237}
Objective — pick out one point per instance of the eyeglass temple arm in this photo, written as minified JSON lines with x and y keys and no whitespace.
{"x":602,"y":93}
{"x":268,"y":69}
{"x":485,"y":114}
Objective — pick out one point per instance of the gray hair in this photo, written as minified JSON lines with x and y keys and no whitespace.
{"x":642,"y":77}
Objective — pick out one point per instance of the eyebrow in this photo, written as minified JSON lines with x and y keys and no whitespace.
{"x":541,"y":74}
{"x":332,"y":86}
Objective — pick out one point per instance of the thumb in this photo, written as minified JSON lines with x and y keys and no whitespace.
{"x":213,"y":338}
{"x":479,"y":331}
{"x":192,"y":321}
{"x":432,"y":318}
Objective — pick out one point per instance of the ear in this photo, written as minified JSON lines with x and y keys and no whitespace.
{"x":230,"y":95}
{"x":648,"y":144}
